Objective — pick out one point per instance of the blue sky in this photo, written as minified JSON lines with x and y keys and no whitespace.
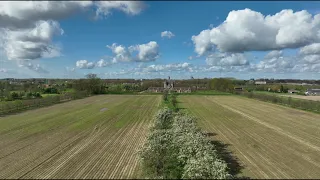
{"x":123,"y":39}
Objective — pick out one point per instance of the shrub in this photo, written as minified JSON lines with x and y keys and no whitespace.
{"x":165,"y":95}
{"x":176,"y":148}
{"x":163,"y":119}
{"x":14,"y":95}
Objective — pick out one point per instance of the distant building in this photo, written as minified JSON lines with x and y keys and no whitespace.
{"x":182,"y":89}
{"x":312,"y":92}
{"x":260,"y":82}
{"x":155,"y":89}
{"x":168,"y":85}
{"x":293,"y":91}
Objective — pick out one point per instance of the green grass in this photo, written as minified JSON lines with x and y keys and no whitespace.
{"x":206,"y":92}
{"x":70,"y":90}
{"x":46,"y":95}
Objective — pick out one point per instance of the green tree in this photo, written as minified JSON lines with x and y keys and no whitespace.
{"x":222,"y":84}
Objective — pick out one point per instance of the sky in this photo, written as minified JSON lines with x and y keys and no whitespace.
{"x":154,"y":39}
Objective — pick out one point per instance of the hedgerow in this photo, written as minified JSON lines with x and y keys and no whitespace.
{"x":176,"y":149}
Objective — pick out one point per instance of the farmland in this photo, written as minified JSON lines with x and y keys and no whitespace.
{"x":313,"y":98}
{"x":268,"y":140}
{"x":95,"y":137}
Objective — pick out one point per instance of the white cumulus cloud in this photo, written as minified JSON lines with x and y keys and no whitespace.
{"x":104,"y":63}
{"x":27,"y":28}
{"x":128,"y":7}
{"x":225,"y":59}
{"x":310,"y":49}
{"x":167,"y":67}
{"x":248,"y":30}
{"x":84,"y":64}
{"x":145,"y":52}
{"x":32,"y":43}
{"x":167,"y":34}
{"x":23,"y":14}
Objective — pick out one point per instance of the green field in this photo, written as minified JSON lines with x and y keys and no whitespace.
{"x":95,"y":137}
{"x":267,"y":140}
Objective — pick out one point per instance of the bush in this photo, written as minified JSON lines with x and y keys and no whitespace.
{"x":14,"y":95}
{"x":50,"y":90}
{"x":165,"y":95}
{"x":174,"y":101}
{"x":176,"y":148}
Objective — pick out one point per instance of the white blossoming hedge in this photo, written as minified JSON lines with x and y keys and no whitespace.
{"x":176,"y":149}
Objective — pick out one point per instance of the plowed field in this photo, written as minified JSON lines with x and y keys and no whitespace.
{"x":269,"y":141}
{"x":95,"y":137}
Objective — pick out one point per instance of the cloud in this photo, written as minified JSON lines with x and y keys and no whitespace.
{"x":225,"y":59}
{"x":145,"y":52}
{"x":27,"y":28}
{"x":128,"y":7}
{"x":34,"y":67}
{"x":69,"y":69}
{"x":276,"y":64}
{"x":159,"y":69}
{"x":32,"y":43}
{"x":167,"y":34}
{"x":23,"y":14}
{"x":310,"y":49}
{"x":121,"y":53}
{"x":167,"y":67}
{"x":202,"y":43}
{"x":248,"y":30}
{"x":2,"y":70}
{"x":84,"y":64}
{"x":311,"y":59}
{"x":273,"y":54}
{"x":104,"y":63}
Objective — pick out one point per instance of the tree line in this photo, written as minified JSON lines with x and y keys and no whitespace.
{"x":303,"y":104}
{"x":21,"y":105}
{"x":227,"y":85}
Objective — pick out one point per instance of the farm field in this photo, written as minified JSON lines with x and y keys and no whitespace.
{"x":313,"y":98}
{"x":269,"y":141}
{"x":95,"y":137}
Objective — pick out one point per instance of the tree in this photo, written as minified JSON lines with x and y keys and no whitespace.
{"x":91,"y":76}
{"x":94,"y":84}
{"x":222,"y":84}
{"x":14,"y":95}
